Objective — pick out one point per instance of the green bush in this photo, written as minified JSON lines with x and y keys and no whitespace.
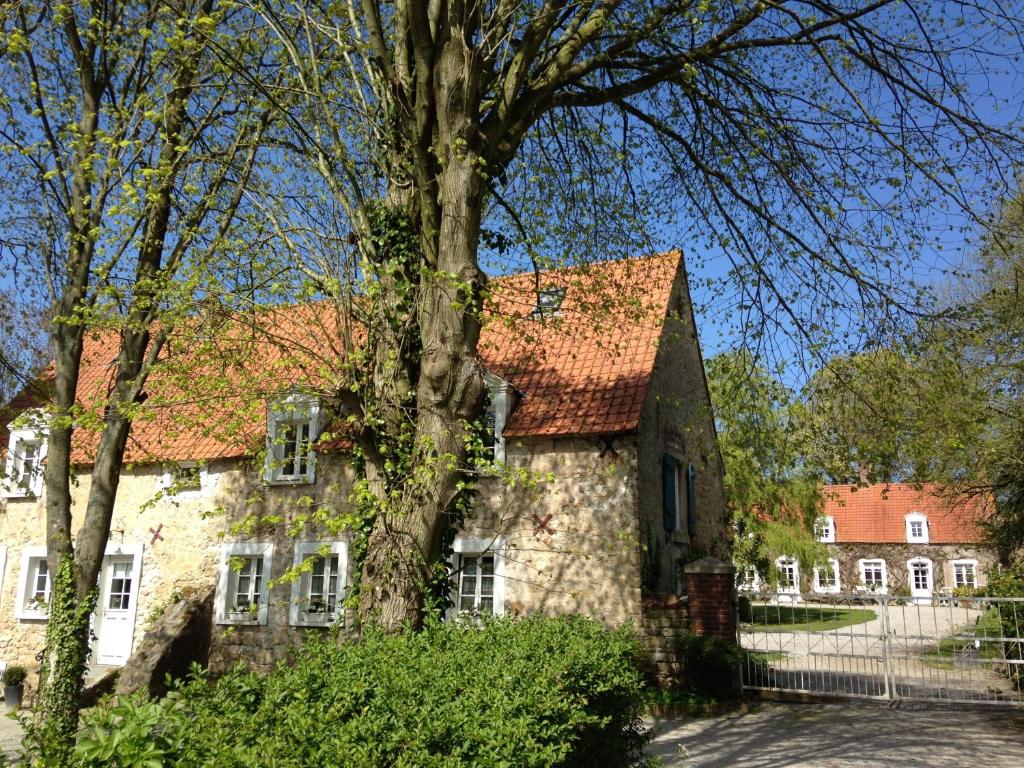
{"x":14,"y":675}
{"x":709,"y":664}
{"x":530,"y":692}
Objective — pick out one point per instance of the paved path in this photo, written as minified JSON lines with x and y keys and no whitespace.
{"x":10,"y":735}
{"x":842,"y":736}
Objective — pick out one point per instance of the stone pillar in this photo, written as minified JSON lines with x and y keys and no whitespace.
{"x":710,"y":589}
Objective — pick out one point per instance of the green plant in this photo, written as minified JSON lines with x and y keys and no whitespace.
{"x":709,"y":664}
{"x":14,"y":675}
{"x":526,"y":692}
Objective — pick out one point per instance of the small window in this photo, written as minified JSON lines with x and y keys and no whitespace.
{"x":672,"y":490}
{"x":478,"y":579}
{"x":748,"y":580}
{"x":549,"y":302}
{"x":825,"y":529}
{"x":788,"y":574}
{"x":184,"y":478}
{"x":965,"y":574}
{"x":291,"y":429}
{"x":242,"y":592}
{"x":34,"y":585}
{"x":23,"y":471}
{"x":873,"y":576}
{"x":319,"y":589}
{"x":826,"y":577}
{"x":917,"y":528}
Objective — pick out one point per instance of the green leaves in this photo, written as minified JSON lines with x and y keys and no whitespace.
{"x":510,"y":694}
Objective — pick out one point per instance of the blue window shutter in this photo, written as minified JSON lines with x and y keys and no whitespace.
{"x":691,"y":500}
{"x":668,"y":490}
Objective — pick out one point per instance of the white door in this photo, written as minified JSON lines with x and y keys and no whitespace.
{"x":115,"y":611}
{"x":920,"y":579}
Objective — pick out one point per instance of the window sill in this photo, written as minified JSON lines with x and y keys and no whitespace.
{"x":679,"y":537}
{"x":251,"y":620}
{"x":287,"y":481}
{"x":31,"y":616}
{"x":315,"y":620}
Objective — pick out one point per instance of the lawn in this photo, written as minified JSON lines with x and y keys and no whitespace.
{"x":966,"y":642}
{"x":804,"y":618}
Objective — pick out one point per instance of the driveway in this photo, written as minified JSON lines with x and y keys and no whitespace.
{"x":842,"y":736}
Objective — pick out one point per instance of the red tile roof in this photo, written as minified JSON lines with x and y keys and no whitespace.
{"x":876,"y":514}
{"x":583,"y":372}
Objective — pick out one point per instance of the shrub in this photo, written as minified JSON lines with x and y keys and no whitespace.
{"x":709,"y":664}
{"x":14,"y":675}
{"x":530,"y":692}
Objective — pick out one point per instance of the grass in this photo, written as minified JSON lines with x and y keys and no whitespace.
{"x":942,"y":655}
{"x":792,"y":618}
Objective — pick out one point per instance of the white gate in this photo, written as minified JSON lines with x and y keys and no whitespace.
{"x":943,"y":648}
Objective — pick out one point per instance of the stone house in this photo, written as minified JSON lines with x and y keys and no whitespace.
{"x":604,"y":412}
{"x":895,"y":538}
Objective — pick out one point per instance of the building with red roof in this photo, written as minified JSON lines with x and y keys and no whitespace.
{"x":238,"y":469}
{"x":897,"y":538}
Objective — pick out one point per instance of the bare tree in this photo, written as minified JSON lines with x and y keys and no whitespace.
{"x":127,"y":147}
{"x":805,"y":140}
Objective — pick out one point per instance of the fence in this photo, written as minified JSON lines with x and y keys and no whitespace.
{"x":949,"y":649}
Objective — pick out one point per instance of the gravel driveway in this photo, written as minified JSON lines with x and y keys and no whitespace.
{"x":842,"y":736}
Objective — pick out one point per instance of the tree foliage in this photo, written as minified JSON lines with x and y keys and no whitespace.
{"x":773,"y":492}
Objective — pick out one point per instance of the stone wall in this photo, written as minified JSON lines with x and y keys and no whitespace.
{"x":583,"y":559}
{"x":896,"y":557}
{"x":664,"y":618}
{"x":677,"y":419}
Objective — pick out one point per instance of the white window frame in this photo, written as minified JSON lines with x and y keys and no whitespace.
{"x":34,"y":433}
{"x":475,"y":547}
{"x":304,"y":550}
{"x":30,"y":558}
{"x":297,"y":409}
{"x":910,"y":574}
{"x":749,"y":579}
{"x":965,"y":561}
{"x":167,"y":479}
{"x":863,"y":586}
{"x":32,"y":554}
{"x":502,"y":397}
{"x":227,"y":579}
{"x":916,"y":517}
{"x":3,"y":569}
{"x":781,"y":563}
{"x":832,"y":564}
{"x":828,"y":523}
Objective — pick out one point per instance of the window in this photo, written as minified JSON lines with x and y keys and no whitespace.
{"x":184,"y":478}
{"x":671,"y":482}
{"x":33,"y":596}
{"x":825,"y":529}
{"x":748,"y":580}
{"x":873,"y":576}
{"x":920,"y":573}
{"x":26,"y":452}
{"x":319,"y":590}
{"x":965,"y":574}
{"x":826,"y":577}
{"x":478,"y":577}
{"x":502,"y":398}
{"x":242,"y":593}
{"x":917,"y":528}
{"x":291,"y":431}
{"x":788,"y":574}
{"x":549,"y":302}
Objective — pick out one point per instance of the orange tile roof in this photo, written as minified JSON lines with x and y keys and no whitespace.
{"x":583,"y":372}
{"x":876,"y":514}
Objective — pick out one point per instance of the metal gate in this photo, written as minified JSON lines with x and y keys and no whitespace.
{"x":946,"y":648}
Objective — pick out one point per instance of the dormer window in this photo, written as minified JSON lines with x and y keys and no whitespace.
{"x":26,"y":451}
{"x":825,"y":529}
{"x":291,"y":430}
{"x":917,"y":528}
{"x":549,"y":302}
{"x":501,"y":395}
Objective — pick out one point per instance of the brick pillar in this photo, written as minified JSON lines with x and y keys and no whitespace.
{"x":710,"y":586}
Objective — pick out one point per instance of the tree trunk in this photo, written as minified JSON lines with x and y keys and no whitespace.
{"x":406,"y":540}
